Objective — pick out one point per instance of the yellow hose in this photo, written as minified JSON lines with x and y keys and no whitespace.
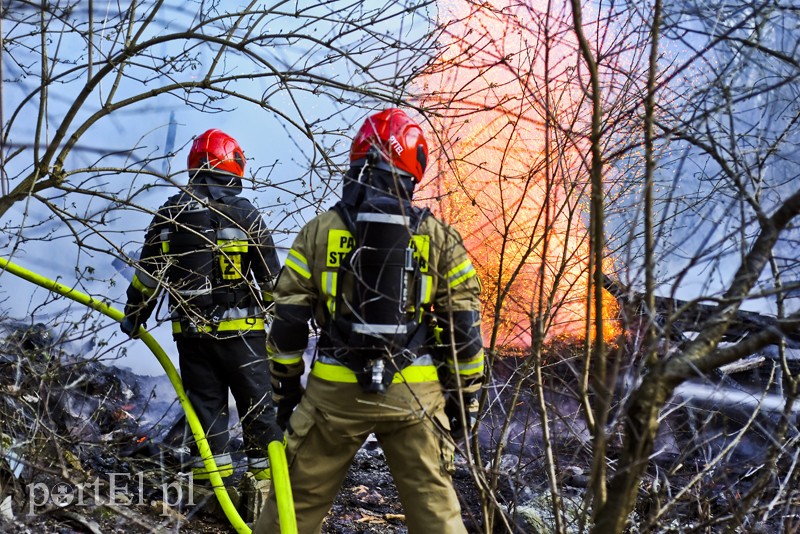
{"x":283,"y":490}
{"x":275,"y":449}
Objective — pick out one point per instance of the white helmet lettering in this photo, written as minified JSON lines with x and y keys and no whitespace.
{"x":395,"y":144}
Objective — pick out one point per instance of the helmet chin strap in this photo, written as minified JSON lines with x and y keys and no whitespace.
{"x":373,"y":156}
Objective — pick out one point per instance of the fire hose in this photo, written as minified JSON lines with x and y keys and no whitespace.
{"x":275,"y":449}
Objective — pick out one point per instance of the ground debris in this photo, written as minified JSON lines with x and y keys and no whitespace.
{"x":90,"y":447}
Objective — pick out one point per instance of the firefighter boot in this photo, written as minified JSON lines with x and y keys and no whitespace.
{"x":206,"y":498}
{"x":253,"y":492}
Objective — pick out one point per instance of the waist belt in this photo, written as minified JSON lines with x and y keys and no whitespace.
{"x":226,"y":325}
{"x":422,"y":369}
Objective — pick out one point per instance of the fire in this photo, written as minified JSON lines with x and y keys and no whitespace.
{"x":507,"y":176}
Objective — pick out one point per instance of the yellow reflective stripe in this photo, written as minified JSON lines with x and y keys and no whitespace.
{"x":228,"y":325}
{"x":425,"y":287}
{"x":469,"y":367}
{"x":417,"y":373}
{"x":145,"y":279}
{"x":340,"y":373}
{"x":462,"y":272}
{"x":329,"y":288}
{"x":140,"y":286}
{"x":199,"y":473}
{"x":333,"y":372}
{"x":285,"y":358}
{"x":242,"y":324}
{"x":232,"y":247}
{"x":298,"y":264}
{"x":164,"y":238}
{"x":262,"y":474}
{"x":329,"y":283}
{"x":223,"y":459}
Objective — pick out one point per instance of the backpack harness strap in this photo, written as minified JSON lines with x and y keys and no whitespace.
{"x":376,"y":330}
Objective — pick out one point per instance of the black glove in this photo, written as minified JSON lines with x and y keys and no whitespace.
{"x":130,"y":326}
{"x":287,"y":392}
{"x":285,"y":408}
{"x":452,"y":410}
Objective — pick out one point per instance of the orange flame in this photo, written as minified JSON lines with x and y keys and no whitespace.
{"x":508,"y":177}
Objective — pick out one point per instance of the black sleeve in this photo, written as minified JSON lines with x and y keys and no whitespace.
{"x":143,"y":290}
{"x":289,"y":332}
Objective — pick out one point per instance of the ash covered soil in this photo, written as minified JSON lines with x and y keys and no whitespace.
{"x":367,"y":503}
{"x":74,"y":431}
{"x":69,"y":423}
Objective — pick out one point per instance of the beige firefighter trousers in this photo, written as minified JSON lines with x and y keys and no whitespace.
{"x":326,"y":435}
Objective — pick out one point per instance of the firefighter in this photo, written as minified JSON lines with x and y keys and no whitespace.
{"x":378,"y":277}
{"x":210,"y":251}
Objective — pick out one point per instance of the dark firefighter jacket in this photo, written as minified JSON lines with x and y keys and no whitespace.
{"x":244,"y":264}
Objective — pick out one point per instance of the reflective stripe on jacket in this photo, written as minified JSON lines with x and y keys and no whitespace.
{"x":423,"y":369}
{"x":449,"y":283}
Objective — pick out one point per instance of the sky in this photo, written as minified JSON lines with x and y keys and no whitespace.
{"x":279,"y":154}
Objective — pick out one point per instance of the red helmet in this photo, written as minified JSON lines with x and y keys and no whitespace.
{"x":395,"y":139}
{"x":214,"y":150}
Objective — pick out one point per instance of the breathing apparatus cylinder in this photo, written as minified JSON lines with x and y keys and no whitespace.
{"x":383,"y":274}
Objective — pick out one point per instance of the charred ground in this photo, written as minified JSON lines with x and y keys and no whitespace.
{"x":89,"y":447}
{"x":77,"y":424}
